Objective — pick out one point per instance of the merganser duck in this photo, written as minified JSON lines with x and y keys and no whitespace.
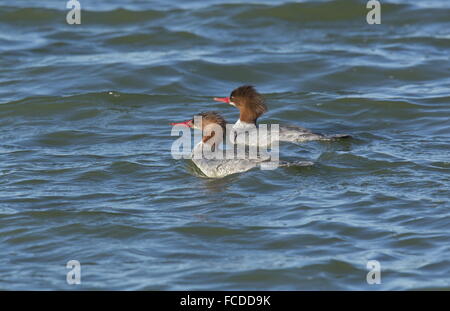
{"x":207,"y":154}
{"x":251,"y":106}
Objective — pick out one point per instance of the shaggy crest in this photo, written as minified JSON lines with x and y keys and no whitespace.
{"x":250,"y":103}
{"x":212,"y":117}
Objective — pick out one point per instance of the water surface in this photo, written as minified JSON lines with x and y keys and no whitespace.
{"x":85,"y":166}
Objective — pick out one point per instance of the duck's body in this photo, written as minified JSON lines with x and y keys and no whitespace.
{"x":217,"y":168}
{"x":243,"y":133}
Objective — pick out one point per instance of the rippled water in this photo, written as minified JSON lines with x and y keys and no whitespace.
{"x":86,"y":171}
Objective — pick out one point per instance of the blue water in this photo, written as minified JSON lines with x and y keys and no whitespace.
{"x":86,"y":171}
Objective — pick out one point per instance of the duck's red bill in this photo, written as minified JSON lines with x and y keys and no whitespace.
{"x":185,"y":123}
{"x":222,"y":99}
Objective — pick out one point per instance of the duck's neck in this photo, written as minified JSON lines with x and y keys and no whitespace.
{"x":247,"y":116}
{"x":211,"y":141}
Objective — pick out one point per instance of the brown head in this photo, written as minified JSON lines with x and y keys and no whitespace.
{"x":206,"y":121}
{"x":249,"y":102}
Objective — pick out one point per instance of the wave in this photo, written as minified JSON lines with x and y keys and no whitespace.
{"x":297,"y":12}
